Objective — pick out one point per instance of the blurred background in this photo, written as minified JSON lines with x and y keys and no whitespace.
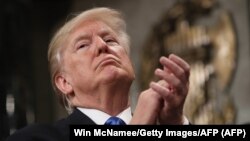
{"x":212,"y":35}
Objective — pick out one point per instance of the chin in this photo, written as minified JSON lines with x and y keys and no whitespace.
{"x":113,"y":74}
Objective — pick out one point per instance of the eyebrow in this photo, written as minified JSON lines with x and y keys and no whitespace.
{"x":81,"y":37}
{"x":102,"y":33}
{"x":105,"y":32}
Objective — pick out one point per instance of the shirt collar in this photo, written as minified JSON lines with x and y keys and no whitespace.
{"x":100,"y":117}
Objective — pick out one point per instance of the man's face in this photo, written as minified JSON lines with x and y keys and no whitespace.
{"x":94,"y":56}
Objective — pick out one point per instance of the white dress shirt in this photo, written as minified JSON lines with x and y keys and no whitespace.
{"x":100,"y":117}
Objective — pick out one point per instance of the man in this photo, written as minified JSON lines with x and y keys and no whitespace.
{"x":91,"y":73}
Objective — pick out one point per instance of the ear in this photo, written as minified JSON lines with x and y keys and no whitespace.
{"x":63,"y":84}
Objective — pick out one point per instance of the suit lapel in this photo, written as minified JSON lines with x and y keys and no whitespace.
{"x":77,"y":117}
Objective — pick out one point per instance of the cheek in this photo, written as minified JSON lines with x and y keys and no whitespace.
{"x":80,"y":75}
{"x":77,"y":68}
{"x":128,"y":64}
{"x":80,"y":68}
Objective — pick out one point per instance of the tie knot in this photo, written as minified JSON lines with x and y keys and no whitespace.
{"x":114,"y":121}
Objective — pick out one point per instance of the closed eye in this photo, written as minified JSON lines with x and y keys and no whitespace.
{"x":111,"y":41}
{"x":82,"y":46}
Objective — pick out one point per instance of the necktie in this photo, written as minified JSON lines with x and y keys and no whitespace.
{"x":114,"y":121}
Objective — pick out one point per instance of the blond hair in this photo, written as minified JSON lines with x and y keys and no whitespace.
{"x":111,"y":17}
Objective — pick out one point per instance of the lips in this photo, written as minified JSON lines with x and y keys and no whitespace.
{"x":108,"y":61}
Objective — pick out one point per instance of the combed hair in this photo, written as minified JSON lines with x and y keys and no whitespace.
{"x":109,"y":16}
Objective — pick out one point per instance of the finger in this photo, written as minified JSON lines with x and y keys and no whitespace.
{"x":167,"y":70}
{"x":163,"y":83}
{"x":174,"y":68}
{"x":163,"y":91}
{"x":172,"y":80}
{"x":182,"y":63}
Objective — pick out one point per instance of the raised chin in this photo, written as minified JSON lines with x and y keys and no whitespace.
{"x":111,"y":74}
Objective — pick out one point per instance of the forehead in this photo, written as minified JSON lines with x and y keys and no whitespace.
{"x":84,"y":30}
{"x":90,"y":27}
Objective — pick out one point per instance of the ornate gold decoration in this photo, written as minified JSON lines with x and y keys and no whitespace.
{"x":203,"y":34}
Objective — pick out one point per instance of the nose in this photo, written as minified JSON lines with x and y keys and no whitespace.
{"x":101,"y":46}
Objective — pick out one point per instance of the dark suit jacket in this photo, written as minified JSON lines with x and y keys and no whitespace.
{"x":59,"y":131}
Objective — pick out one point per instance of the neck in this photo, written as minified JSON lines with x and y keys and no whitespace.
{"x":110,"y":98}
{"x":113,"y":99}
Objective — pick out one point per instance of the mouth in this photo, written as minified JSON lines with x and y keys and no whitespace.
{"x":108,"y":61}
